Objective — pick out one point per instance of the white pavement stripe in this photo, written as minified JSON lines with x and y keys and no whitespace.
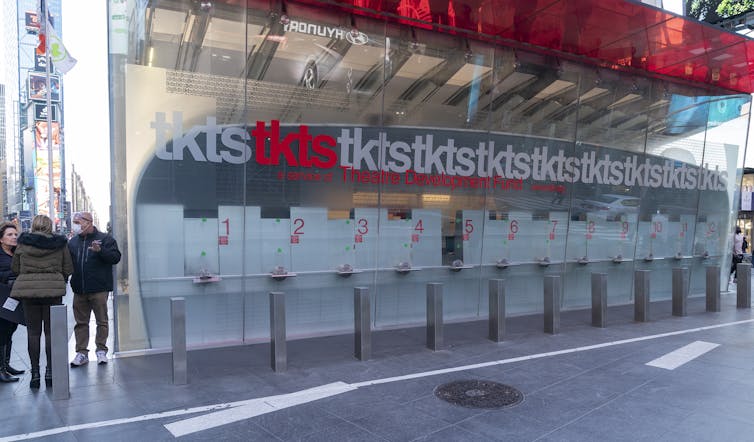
{"x":220,"y":407}
{"x":676,"y":358}
{"x":258,"y":407}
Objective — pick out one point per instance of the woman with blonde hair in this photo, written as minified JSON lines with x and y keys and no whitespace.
{"x":43,"y":264}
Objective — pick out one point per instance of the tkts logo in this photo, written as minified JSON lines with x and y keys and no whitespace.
{"x":448,"y":156}
{"x":295,"y":149}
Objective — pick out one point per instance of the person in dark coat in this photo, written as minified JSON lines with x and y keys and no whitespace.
{"x":43,"y":264}
{"x":94,"y":255}
{"x":8,"y":241}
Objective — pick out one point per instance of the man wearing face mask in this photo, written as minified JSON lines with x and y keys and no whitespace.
{"x":94,"y":253}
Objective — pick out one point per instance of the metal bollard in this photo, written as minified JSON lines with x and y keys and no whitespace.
{"x":641,"y":295}
{"x":497,"y":310}
{"x":434,"y":316}
{"x":713,"y":289}
{"x":362,"y":324}
{"x":59,"y":357}
{"x":178,"y":340}
{"x":278,"y":355}
{"x":599,"y":299}
{"x":680,"y":290}
{"x":743,"y":286}
{"x":552,"y":304}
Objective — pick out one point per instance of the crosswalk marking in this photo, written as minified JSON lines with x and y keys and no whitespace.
{"x":676,"y":358}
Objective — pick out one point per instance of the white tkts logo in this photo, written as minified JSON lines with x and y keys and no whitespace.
{"x":435,"y":152}
{"x":354,"y":36}
{"x":233,"y":139}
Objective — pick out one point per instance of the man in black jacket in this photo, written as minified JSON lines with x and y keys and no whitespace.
{"x":94,"y":253}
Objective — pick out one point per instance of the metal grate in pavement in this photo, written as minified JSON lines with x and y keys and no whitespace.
{"x":479,"y":394}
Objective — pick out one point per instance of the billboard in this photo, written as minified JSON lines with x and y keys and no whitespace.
{"x":40,"y":112}
{"x":40,"y":63}
{"x":687,"y":114}
{"x":42,"y":170}
{"x":37,"y":87}
{"x":32,"y":22}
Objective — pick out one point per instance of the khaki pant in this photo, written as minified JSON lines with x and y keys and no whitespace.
{"x":83,"y":305}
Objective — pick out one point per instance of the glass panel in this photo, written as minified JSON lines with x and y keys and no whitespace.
{"x":180,"y":124}
{"x":301,"y":150}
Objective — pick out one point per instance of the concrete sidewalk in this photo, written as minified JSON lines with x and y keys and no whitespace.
{"x":606,"y":393}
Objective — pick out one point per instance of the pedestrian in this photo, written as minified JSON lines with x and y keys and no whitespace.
{"x":738,"y":254}
{"x":43,"y":264}
{"x":8,"y":241}
{"x":94,"y":255}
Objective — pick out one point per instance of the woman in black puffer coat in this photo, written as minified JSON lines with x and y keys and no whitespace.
{"x":43,"y":264}
{"x":8,"y":239}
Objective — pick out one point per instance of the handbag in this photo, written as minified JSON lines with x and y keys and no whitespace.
{"x":16,"y":315}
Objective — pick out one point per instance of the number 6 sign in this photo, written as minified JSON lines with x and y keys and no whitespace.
{"x":512,"y":229}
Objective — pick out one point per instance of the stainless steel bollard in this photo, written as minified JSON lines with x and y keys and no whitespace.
{"x":497,"y":310}
{"x":680,"y":290}
{"x":178,"y":340}
{"x":434,"y":316}
{"x":641,"y":295}
{"x":59,"y":357}
{"x":599,"y":299}
{"x":362,"y":324}
{"x":713,"y":288}
{"x":552,"y":304}
{"x":278,"y":355}
{"x":743,"y":286}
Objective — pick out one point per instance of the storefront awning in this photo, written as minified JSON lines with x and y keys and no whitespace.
{"x":616,"y":34}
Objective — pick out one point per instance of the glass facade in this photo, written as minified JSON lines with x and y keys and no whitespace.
{"x":299,"y":149}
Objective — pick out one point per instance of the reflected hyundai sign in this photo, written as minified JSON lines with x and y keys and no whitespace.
{"x":450,"y":158}
{"x":354,"y":36}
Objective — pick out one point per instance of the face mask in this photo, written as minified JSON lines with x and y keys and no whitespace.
{"x":76,"y":228}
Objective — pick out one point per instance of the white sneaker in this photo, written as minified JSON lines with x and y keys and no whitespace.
{"x":79,"y":360}
{"x":101,"y":356}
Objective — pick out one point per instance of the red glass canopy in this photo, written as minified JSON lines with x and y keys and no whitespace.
{"x":618,"y":34}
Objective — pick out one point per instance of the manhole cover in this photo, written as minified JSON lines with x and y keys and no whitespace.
{"x":479,"y":394}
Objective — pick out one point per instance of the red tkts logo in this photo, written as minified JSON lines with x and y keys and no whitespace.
{"x":313,"y":150}
{"x":217,"y":144}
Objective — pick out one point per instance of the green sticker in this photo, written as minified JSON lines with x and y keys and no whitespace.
{"x":348,"y":221}
{"x":405,"y":244}
{"x":277,"y":220}
{"x":280,"y":250}
{"x":348,"y":248}
{"x":204,"y":253}
{"x":204,"y":220}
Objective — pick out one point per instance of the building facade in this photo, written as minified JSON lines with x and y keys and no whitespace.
{"x":311,"y":148}
{"x":32,"y":189}
{"x":9,"y":131}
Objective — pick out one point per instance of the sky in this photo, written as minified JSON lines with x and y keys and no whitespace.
{"x":86,"y":102}
{"x":673,"y":6}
